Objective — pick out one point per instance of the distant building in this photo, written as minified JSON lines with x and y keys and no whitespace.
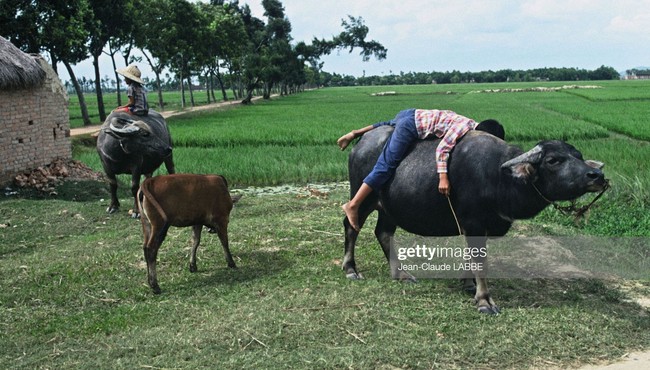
{"x":34,"y":119}
{"x":636,"y":74}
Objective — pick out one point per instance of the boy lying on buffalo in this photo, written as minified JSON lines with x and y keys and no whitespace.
{"x":411,"y":125}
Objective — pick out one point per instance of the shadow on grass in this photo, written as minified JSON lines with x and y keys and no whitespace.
{"x":590,"y":295}
{"x":69,"y":190}
{"x":251,"y":266}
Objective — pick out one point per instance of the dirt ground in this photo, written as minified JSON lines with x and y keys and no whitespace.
{"x":631,"y":361}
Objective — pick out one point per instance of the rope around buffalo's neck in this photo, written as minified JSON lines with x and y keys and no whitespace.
{"x":460,"y":231}
{"x":572,"y":209}
{"x":565,"y":210}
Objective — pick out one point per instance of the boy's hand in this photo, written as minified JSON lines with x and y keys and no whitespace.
{"x":443,"y":185}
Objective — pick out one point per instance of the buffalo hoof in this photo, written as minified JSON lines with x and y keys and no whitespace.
{"x":135,"y":215}
{"x":354,"y":276}
{"x":493,"y":310}
{"x":110,"y":210}
{"x":405,"y":277}
{"x":155,"y":289}
{"x":193,"y":268}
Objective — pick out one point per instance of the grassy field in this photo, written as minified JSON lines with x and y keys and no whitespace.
{"x":74,"y":291}
{"x":291,"y":140}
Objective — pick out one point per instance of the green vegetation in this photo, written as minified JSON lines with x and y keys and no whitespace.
{"x":74,"y":291}
{"x":291,"y":140}
{"x":75,"y":296}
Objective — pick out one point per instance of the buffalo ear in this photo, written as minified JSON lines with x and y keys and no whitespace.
{"x":594,"y":164}
{"x":524,"y":172}
{"x":522,"y":167}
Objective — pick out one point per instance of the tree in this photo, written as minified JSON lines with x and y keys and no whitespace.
{"x":604,"y":73}
{"x":353,"y":36}
{"x":56,"y":27}
{"x":250,"y":64}
{"x":152,"y":34}
{"x":19,"y":23}
{"x":225,"y":34}
{"x":277,"y":55}
{"x":122,"y":39}
{"x":109,"y":18}
{"x":169,"y":30}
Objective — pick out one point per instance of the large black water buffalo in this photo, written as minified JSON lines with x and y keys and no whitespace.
{"x":134,"y":145}
{"x":492,"y":184}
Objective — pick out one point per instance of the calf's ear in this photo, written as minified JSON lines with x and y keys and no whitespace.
{"x":522,"y":167}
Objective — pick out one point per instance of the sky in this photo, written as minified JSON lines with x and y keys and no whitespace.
{"x":469,"y":35}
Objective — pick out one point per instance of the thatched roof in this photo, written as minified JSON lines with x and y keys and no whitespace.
{"x":18,"y":70}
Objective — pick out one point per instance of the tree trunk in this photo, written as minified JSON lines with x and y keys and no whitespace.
{"x":249,"y":97}
{"x":266,"y":91}
{"x":189,"y":85}
{"x":208,"y":86}
{"x":180,"y":79}
{"x":98,"y":90}
{"x":223,"y":89}
{"x":80,"y":94}
{"x":249,"y":93}
{"x":211,"y":77}
{"x":156,"y":70}
{"x":117,"y":80}
{"x":161,"y":104}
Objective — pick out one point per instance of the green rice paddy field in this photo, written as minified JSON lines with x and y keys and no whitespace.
{"x":292,"y":139}
{"x":73,"y":288}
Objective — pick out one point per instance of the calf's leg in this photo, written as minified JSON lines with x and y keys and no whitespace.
{"x":152,"y":244}
{"x":196,"y":239}
{"x":222,"y":232}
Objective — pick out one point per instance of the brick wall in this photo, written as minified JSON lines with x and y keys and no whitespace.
{"x":34,"y":126}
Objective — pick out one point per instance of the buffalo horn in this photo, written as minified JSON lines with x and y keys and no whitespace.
{"x":594,"y":164}
{"x":127,"y":129}
{"x":531,"y":156}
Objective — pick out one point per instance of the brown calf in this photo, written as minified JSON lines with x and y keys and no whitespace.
{"x":183,"y":200}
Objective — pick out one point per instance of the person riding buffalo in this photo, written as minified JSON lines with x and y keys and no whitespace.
{"x":135,"y":91}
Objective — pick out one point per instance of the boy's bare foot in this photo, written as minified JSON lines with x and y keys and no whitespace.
{"x":345,"y":140}
{"x":352,"y":213}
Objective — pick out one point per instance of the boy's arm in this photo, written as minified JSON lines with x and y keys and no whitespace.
{"x":453,"y":134}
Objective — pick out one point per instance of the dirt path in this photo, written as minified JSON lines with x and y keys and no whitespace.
{"x":630,"y":361}
{"x":95,"y":128}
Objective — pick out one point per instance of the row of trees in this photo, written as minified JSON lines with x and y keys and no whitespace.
{"x":505,"y":75}
{"x":322,"y":78}
{"x":219,"y":41}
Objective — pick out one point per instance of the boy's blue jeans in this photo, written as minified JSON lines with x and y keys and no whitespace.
{"x":395,"y":149}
